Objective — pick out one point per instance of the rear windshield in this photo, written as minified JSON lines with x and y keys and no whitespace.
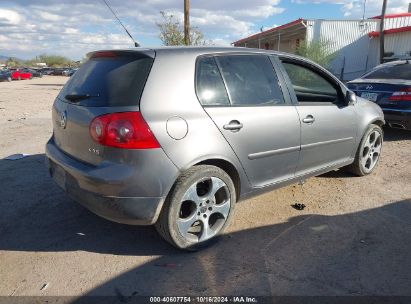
{"x":109,"y":81}
{"x":399,"y":71}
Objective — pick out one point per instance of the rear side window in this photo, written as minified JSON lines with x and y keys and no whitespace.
{"x":110,"y":81}
{"x":250,"y":80}
{"x":399,"y":71}
{"x":209,"y":84}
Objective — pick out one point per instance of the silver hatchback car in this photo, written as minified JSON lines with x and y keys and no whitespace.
{"x":176,"y":136}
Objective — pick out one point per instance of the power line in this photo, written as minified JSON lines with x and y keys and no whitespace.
{"x":136,"y":44}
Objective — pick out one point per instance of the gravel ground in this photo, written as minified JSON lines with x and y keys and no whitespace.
{"x":353,"y":238}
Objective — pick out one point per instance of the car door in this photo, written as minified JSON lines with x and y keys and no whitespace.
{"x":328,"y":122}
{"x":243,"y":96}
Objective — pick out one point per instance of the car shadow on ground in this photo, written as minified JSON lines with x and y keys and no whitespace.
{"x":391,"y":134}
{"x":362,"y":253}
{"x":38,"y":216}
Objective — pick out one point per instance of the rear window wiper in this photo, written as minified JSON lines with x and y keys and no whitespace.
{"x":78,"y":97}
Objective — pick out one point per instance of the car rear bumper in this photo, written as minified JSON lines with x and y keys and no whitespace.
{"x":397,"y":118}
{"x":103,"y":193}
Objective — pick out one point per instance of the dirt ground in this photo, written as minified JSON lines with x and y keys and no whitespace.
{"x":353,"y":238}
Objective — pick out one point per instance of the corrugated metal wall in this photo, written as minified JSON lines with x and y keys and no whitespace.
{"x":396,"y":22}
{"x":348,"y":39}
{"x":356,"y":53}
{"x":398,"y":43}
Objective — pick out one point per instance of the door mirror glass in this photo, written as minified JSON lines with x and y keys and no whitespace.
{"x":351,"y":97}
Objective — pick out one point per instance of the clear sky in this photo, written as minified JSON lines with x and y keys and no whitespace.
{"x":74,"y":27}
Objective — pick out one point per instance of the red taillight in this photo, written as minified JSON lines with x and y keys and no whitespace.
{"x":126,"y":130}
{"x":103,"y":54}
{"x":401,"y":95}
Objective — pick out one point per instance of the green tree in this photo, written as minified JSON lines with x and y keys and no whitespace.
{"x":55,"y":60}
{"x":317,"y":51}
{"x":172,"y":31}
{"x":12,"y":62}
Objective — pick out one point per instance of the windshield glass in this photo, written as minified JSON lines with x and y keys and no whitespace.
{"x":398,"y":71}
{"x":110,"y":81}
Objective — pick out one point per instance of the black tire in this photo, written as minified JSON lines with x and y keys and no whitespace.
{"x":357,"y":166}
{"x":172,"y":211}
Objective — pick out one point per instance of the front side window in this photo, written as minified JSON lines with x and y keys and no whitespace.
{"x":250,"y":80}
{"x":310,"y":86}
{"x":209,"y":84}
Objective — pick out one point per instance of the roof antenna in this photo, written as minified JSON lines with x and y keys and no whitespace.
{"x":136,"y":44}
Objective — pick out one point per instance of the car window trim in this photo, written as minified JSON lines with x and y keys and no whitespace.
{"x":224,"y":80}
{"x":275,"y":61}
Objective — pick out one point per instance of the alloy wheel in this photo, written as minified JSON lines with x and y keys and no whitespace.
{"x":371,"y":151}
{"x":204,"y":209}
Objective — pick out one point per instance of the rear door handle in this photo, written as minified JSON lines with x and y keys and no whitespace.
{"x":309,"y":119}
{"x":233,"y":125}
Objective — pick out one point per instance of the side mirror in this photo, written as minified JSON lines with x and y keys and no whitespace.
{"x":350,"y":97}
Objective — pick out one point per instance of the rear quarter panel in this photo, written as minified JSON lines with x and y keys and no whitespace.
{"x":170,"y":92}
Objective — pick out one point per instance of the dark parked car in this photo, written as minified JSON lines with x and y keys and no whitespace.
{"x":35,"y":73}
{"x":389,"y":86}
{"x":5,"y":75}
{"x":46,"y":71}
{"x":72,"y":71}
{"x":57,"y":71}
{"x":69,"y":72}
{"x":176,"y":136}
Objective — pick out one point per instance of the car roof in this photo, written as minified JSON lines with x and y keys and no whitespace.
{"x":202,"y":50}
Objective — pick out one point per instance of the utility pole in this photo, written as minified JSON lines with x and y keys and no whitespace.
{"x":382,"y":51}
{"x":187,"y":22}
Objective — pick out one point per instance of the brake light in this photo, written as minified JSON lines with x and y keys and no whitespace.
{"x":126,"y":130}
{"x":401,"y":95}
{"x":103,"y":54}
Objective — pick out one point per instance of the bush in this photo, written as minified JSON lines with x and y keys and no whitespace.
{"x":317,"y":51}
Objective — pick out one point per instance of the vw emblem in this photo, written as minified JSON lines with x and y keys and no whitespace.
{"x":63,"y":119}
{"x":369,"y":87}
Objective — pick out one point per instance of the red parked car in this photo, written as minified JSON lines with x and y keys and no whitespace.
{"x":19,"y":75}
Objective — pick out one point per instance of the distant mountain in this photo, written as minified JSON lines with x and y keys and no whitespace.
{"x":4,"y":58}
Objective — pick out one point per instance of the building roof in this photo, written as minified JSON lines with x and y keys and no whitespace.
{"x":289,"y":24}
{"x":300,"y":20}
{"x":393,"y":16}
{"x":391,"y":31}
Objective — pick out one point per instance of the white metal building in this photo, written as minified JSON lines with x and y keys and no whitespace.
{"x":355,"y":42}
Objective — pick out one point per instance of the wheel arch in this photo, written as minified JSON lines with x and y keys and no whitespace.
{"x":378,"y":122}
{"x":227,"y":167}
